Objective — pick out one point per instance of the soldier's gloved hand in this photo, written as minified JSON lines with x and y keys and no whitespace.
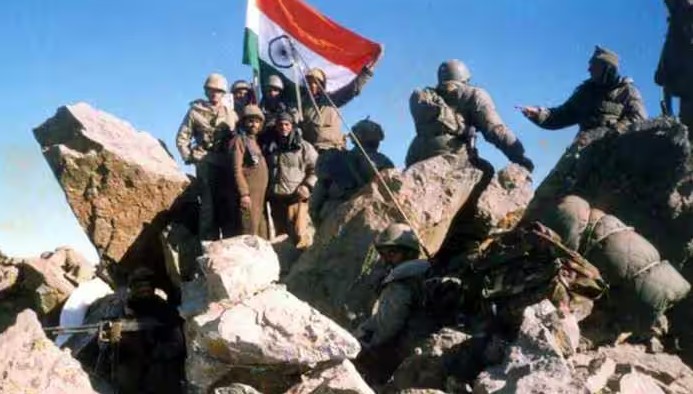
{"x":303,"y":192}
{"x":525,"y":162}
{"x":246,"y":203}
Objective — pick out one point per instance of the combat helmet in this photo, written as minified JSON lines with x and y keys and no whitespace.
{"x":240,"y":84}
{"x":253,"y":111}
{"x":318,"y":75}
{"x":367,"y":130}
{"x":397,"y":234}
{"x":217,"y":82}
{"x":275,"y":82}
{"x":453,"y":70}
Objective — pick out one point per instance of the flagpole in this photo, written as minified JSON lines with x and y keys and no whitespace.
{"x":381,"y":181}
{"x":297,"y":87}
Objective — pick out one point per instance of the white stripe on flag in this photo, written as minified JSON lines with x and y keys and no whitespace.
{"x":337,"y":76}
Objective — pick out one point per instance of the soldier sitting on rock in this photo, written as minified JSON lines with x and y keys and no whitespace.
{"x":606,"y":99}
{"x":391,"y":332}
{"x":344,"y":173}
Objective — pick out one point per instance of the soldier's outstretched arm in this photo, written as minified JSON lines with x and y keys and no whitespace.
{"x":352,"y":89}
{"x":566,"y":114}
{"x":184,"y":138}
{"x":393,"y":310}
{"x":488,"y":121}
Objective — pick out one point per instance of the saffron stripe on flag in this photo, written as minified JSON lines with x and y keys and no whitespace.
{"x":321,"y":35}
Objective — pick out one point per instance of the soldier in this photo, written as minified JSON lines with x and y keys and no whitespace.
{"x":344,"y":173}
{"x":390,"y":333}
{"x":473,"y":109}
{"x":604,"y":100}
{"x":675,"y":69}
{"x":250,"y":174}
{"x":150,"y":360}
{"x":321,"y":124}
{"x":273,"y":103}
{"x":291,"y":162}
{"x":242,"y":96}
{"x":206,"y":128}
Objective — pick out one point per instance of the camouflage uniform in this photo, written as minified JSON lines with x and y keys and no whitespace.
{"x":291,"y":163}
{"x":675,"y":69}
{"x":439,"y":129}
{"x":476,"y":107}
{"x":615,"y":103}
{"x":396,"y":323}
{"x":321,"y":125}
{"x":446,"y":118}
{"x":200,"y":140}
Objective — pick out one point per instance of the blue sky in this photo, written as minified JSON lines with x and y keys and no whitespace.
{"x":145,"y":60}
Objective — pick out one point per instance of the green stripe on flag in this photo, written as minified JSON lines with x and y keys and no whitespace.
{"x":251,"y":49}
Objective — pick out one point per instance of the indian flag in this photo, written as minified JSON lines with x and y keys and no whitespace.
{"x":274,"y":28}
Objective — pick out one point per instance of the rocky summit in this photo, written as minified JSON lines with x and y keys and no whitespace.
{"x":581,"y":287}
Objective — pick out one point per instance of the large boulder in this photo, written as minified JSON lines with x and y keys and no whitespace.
{"x":272,"y":329}
{"x":498,"y":204}
{"x":118,"y":181}
{"x":42,"y":284}
{"x":644,"y":177}
{"x":537,"y":361}
{"x":335,"y":274}
{"x":444,"y":358}
{"x":239,"y":267}
{"x":31,"y":363}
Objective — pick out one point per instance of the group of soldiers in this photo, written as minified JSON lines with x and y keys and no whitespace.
{"x":248,"y":156}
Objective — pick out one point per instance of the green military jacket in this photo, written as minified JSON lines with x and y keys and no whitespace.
{"x":204,"y":131}
{"x":401,"y":292}
{"x":592,"y":106}
{"x":321,"y":124}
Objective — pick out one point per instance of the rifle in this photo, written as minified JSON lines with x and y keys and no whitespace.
{"x":109,"y":331}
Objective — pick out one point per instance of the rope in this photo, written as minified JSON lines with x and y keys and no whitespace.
{"x":591,"y":243}
{"x":381,"y":181}
{"x":646,"y":268}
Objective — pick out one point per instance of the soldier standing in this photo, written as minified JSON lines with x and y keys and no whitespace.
{"x":321,"y":122}
{"x":389,"y":334}
{"x":604,"y":100}
{"x":241,"y":95}
{"x":343,"y":174}
{"x":477,"y":110}
{"x":207,"y":126}
{"x":273,"y":104}
{"x":291,"y":163}
{"x":675,"y":69}
{"x":250,"y":174}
